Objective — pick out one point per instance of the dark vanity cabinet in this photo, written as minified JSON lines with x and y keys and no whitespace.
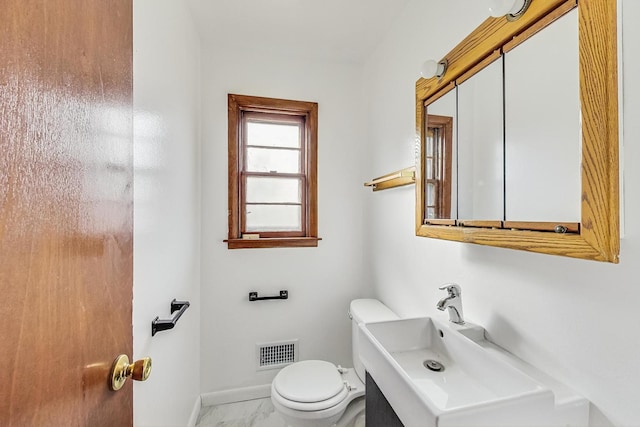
{"x":379,"y":412}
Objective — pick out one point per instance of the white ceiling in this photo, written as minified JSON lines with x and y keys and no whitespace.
{"x":344,"y":30}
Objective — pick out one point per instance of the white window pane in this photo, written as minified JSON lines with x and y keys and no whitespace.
{"x":273,"y":218}
{"x":431,"y":194}
{"x":273,"y":190}
{"x":431,"y":141}
{"x":273,"y":135}
{"x":270,"y":160}
{"x":429,"y":168}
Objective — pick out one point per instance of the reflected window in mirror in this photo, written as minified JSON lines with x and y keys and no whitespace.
{"x":438,"y":164}
{"x":439,"y":153}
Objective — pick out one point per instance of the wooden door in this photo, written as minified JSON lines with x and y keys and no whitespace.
{"x":65,"y":210}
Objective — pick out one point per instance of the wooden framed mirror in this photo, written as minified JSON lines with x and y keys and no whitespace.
{"x":597,"y":235}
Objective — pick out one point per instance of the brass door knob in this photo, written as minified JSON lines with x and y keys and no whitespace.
{"x":122,"y":369}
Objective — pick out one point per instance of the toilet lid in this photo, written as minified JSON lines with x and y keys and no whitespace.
{"x":309,"y":381}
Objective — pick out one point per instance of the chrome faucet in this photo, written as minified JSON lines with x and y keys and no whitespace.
{"x":453,"y":302}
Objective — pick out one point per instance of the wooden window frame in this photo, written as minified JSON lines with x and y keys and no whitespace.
{"x":279,"y":110}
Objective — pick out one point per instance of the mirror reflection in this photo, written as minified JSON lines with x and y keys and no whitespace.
{"x":480,"y":145}
{"x":439,"y":158}
{"x":543,"y":139}
{"x":504,"y":144}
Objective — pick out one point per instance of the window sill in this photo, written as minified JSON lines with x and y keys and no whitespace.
{"x":279,"y":242}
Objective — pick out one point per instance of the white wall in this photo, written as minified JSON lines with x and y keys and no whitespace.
{"x":166,"y":208}
{"x":321,"y":281}
{"x":576,"y":320}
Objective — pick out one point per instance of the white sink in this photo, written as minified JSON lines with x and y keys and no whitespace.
{"x":480,"y":385}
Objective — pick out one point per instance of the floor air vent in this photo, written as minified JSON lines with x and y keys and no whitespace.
{"x":275,"y":355}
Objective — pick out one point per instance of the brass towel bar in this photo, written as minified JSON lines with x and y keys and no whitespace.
{"x":406,"y":176}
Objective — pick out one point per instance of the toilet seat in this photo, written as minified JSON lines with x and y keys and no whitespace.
{"x":311,"y":385}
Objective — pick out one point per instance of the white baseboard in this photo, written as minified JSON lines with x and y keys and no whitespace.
{"x":236,"y":395}
{"x":195,"y":413}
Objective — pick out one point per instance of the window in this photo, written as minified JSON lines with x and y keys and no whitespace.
{"x":272,"y":173}
{"x":437,"y":159}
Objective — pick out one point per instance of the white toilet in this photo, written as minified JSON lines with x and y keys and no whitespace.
{"x":315,"y":393}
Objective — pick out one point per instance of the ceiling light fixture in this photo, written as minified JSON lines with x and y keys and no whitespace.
{"x":513,"y":9}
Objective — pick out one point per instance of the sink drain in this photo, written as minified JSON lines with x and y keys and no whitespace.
{"x":433,"y":365}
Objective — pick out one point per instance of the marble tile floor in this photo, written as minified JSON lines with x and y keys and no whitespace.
{"x":260,"y":413}
{"x":250,"y":413}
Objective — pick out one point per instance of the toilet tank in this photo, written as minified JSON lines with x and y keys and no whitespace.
{"x":365,"y":311}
